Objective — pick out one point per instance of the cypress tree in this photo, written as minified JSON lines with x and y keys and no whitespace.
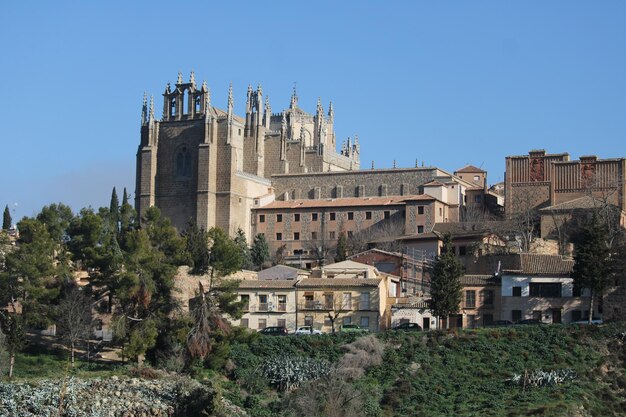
{"x":342,"y":248}
{"x":592,"y":265}
{"x":6,"y":219}
{"x":445,"y":285}
{"x":114,"y":209}
{"x":260,"y":251}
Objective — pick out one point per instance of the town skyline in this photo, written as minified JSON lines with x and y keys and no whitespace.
{"x":490,"y":82}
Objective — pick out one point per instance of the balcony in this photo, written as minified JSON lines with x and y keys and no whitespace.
{"x":320,"y":305}
{"x":267,"y":308}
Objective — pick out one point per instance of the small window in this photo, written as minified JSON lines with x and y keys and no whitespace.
{"x":516,"y":315}
{"x":387,"y":214}
{"x":420,"y":229}
{"x":333,"y":216}
{"x":296,"y":235}
{"x":440,"y":211}
{"x":261,"y":218}
{"x":313,"y":235}
{"x":281,"y":323}
{"x":368,"y":215}
{"x":239,"y":130}
{"x":244,"y":323}
{"x":262,"y":324}
{"x":350,"y":215}
{"x":331,"y":235}
{"x":279,"y":236}
{"x":365,"y":322}
{"x":183,"y":163}
{"x":517,"y":291}
{"x":462,"y":250}
{"x":245,"y":301}
{"x":308,"y":320}
{"x":296,"y":217}
{"x":470,"y":299}
{"x":279,"y":218}
{"x":486,"y":297}
{"x":476,"y":178}
{"x":347,"y":320}
{"x":420,"y":209}
{"x":478,"y":198}
{"x":314,"y":217}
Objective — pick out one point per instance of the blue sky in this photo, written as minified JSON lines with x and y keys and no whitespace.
{"x":447,"y":83}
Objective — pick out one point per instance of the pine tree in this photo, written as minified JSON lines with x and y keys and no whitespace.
{"x":592,"y":265}
{"x":342,"y":248}
{"x":260,"y":251}
{"x":6,"y":219}
{"x":445,"y":285}
{"x":114,"y":210}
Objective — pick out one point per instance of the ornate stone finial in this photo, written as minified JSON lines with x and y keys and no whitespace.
{"x":180,"y":78}
{"x":416,"y":164}
{"x":207,"y":104}
{"x":259,"y":89}
{"x":394,"y":163}
{"x":144,"y":108}
{"x":268,"y":108}
{"x":151,"y":114}
{"x":294,"y":98}
{"x":357,"y":147}
{"x":168,"y":88}
{"x":320,"y":110}
{"x":331,"y":112}
{"x":192,"y":78}
{"x":283,"y":122}
{"x":372,"y":164}
{"x":302,"y":134}
{"x":204,"y":86}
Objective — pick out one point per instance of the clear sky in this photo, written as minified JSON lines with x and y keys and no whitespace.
{"x":447,"y":83}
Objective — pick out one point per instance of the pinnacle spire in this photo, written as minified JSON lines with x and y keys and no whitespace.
{"x":192,"y":78}
{"x":294,"y":98}
{"x":207,"y":103}
{"x":144,"y":108}
{"x":230,"y":102}
{"x":151,"y":114}
{"x":331,"y":112}
{"x":180,"y":78}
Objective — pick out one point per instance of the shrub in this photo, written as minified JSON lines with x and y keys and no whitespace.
{"x":540,"y":378}
{"x":288,"y":372}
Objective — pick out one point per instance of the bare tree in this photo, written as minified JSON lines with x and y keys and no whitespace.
{"x":75,"y":319}
{"x":323,"y":250}
{"x":383,"y":235}
{"x":523,"y":217}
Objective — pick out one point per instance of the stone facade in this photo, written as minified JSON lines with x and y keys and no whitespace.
{"x":207,"y":165}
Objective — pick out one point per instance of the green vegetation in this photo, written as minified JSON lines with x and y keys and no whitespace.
{"x":445,"y":285}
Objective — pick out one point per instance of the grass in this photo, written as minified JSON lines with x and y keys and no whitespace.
{"x":39,"y":362}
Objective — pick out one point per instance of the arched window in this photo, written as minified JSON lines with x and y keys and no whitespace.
{"x":183,"y":162}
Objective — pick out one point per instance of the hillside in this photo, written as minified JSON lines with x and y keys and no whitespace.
{"x":394,"y":374}
{"x":439,"y":374}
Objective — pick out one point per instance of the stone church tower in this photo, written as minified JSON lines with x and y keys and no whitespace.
{"x":208,"y":165}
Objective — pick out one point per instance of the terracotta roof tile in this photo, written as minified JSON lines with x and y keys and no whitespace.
{"x":336,"y":202}
{"x":479,"y":280}
{"x":337,"y":282}
{"x":531,"y":263}
{"x":470,"y":168}
{"x":274,"y":283}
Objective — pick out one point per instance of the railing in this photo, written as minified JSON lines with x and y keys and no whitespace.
{"x":267,"y":308}
{"x":320,"y":305}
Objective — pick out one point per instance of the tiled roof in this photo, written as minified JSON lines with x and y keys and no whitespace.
{"x":531,"y":263}
{"x":395,"y":254}
{"x":337,"y":282}
{"x":434,"y":183}
{"x":470,"y":168}
{"x":419,"y":304}
{"x":274,"y":283}
{"x":336,"y":202}
{"x":479,"y":280}
{"x":586,"y":202}
{"x":280,"y":272}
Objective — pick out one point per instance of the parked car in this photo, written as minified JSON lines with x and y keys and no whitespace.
{"x":530,"y":321}
{"x":408,"y":327}
{"x":593,"y":321}
{"x":274,"y":331}
{"x":500,"y":323}
{"x":307,"y":330}
{"x":353,"y":328}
